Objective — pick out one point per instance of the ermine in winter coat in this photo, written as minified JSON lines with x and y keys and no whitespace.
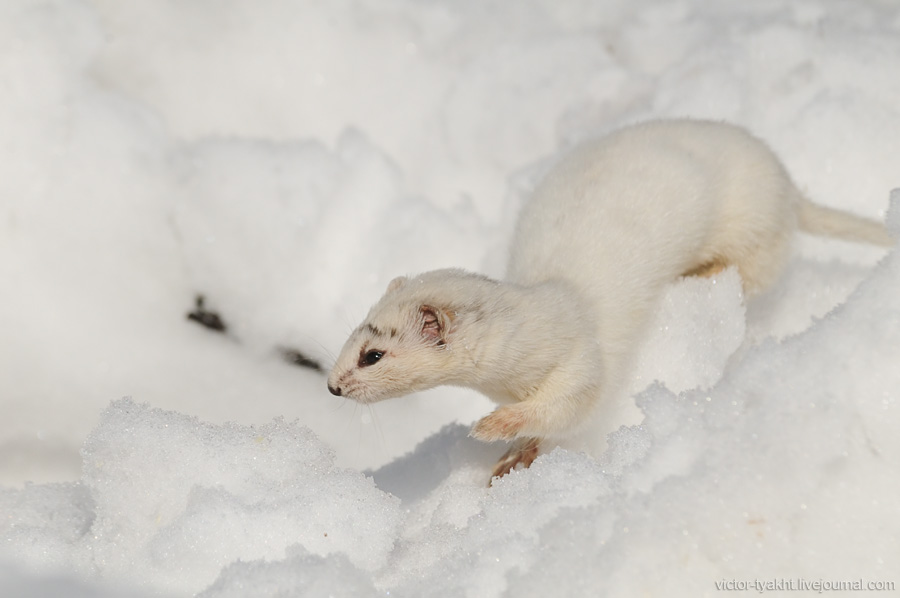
{"x":611,"y":224}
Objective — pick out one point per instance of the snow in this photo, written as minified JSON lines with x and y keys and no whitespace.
{"x":286,"y":161}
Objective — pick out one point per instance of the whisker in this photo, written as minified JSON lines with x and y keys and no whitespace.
{"x":340,"y":405}
{"x":359,"y":429}
{"x":348,"y":325}
{"x":379,"y":431}
{"x":352,"y":417}
{"x":331,"y":356}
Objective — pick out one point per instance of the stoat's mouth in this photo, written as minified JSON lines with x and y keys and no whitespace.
{"x":343,"y":383}
{"x":358,"y":392}
{"x":348,"y":386}
{"x":354,"y":391}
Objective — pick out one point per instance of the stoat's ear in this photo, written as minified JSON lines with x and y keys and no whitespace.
{"x":435,"y":324}
{"x":396,"y":283}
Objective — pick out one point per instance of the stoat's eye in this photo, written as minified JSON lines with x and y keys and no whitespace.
{"x":370,"y":358}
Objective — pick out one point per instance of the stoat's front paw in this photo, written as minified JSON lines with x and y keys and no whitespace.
{"x":504,"y":423}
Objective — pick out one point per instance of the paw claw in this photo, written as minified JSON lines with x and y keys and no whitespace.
{"x":523,"y":453}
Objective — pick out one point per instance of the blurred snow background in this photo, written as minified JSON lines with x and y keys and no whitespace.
{"x":286,"y":160}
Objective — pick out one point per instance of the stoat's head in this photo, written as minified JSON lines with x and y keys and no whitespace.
{"x":405,"y":344}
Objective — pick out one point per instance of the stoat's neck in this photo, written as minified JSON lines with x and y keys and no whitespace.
{"x":514,"y":336}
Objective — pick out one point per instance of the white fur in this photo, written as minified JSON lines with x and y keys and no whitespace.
{"x":612,"y":223}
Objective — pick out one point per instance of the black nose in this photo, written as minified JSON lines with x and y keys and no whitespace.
{"x":335,"y":391}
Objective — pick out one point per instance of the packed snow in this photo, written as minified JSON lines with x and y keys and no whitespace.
{"x":284,"y":161}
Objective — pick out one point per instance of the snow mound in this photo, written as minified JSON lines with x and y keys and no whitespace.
{"x":168,"y":501}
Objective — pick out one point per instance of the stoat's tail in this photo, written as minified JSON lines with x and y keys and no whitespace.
{"x":828,"y":222}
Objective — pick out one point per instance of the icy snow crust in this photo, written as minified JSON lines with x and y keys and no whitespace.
{"x":286,"y":161}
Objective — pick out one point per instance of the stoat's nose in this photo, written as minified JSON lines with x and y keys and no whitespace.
{"x":335,"y":391}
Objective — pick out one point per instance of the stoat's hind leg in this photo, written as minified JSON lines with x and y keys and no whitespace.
{"x":523,"y":452}
{"x":762,"y":262}
{"x":759,"y":260}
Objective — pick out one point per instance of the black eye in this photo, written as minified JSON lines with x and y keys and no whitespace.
{"x":370,"y":358}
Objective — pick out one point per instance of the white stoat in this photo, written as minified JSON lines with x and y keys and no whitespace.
{"x":612,"y":223}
